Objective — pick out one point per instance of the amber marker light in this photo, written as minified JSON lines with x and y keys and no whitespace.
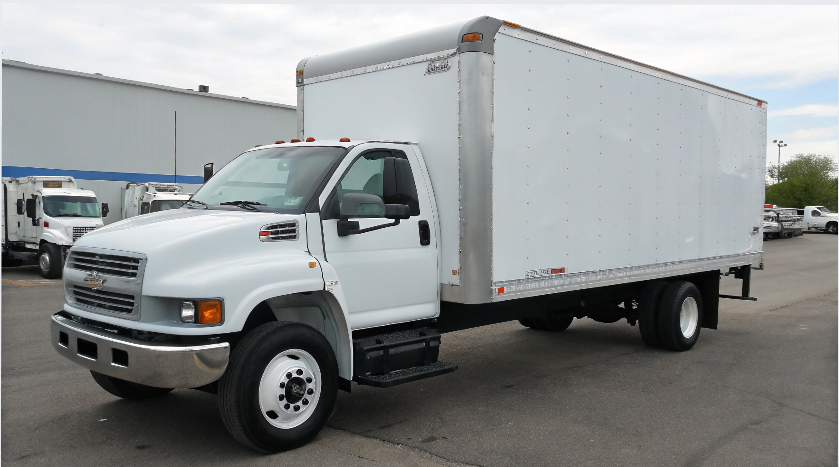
{"x":344,"y":140}
{"x":313,"y":265}
{"x":209,"y":312}
{"x":299,"y":72}
{"x":295,"y":140}
{"x":512,"y":25}
{"x":472,"y":37}
{"x":280,"y":142}
{"x":310,"y":140}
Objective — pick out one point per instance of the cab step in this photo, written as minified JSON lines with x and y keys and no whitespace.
{"x":407,"y":375}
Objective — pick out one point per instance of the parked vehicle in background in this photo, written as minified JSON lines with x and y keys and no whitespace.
{"x":145,"y":198}
{"x":781,"y":222}
{"x":301,"y":267}
{"x":43,"y":217}
{"x":819,"y":218}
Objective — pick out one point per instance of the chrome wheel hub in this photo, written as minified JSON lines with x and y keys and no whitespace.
{"x":44,"y":262}
{"x":689,"y":317}
{"x":289,"y":389}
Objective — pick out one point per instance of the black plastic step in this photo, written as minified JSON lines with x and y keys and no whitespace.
{"x":407,"y":375}
{"x":386,"y":353}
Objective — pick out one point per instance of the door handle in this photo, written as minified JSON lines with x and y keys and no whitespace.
{"x":424,"y":233}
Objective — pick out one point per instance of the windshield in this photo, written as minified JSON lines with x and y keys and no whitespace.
{"x":166,"y":204}
{"x":71,"y":206}
{"x":824,"y":210}
{"x":282,"y":179}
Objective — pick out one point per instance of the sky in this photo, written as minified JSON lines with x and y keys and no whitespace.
{"x":786,"y":55}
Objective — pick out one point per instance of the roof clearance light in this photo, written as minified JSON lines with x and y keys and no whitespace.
{"x":472,"y":37}
{"x":768,"y":206}
{"x":558,"y":271}
{"x":512,"y":25}
{"x":295,"y":140}
{"x":500,"y":290}
{"x":280,"y":142}
{"x":344,"y":140}
{"x":299,"y":72}
{"x":310,"y":140}
{"x":258,"y":145}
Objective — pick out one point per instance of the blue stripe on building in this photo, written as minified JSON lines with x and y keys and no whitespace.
{"x":12,"y":171}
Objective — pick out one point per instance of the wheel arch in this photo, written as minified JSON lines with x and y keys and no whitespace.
{"x":319,"y":310}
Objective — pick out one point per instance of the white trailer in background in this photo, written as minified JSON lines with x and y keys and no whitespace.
{"x":44,"y":216}
{"x":441,"y":184}
{"x":144,"y":198}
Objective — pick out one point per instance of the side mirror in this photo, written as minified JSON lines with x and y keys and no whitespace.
{"x":358,"y":205}
{"x":208,"y":171}
{"x":30,"y":208}
{"x":20,"y":209}
{"x":105,"y":210}
{"x":363,"y":205}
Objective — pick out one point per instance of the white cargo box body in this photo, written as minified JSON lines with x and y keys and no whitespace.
{"x":555,"y":166}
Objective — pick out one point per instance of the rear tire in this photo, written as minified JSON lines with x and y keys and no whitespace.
{"x":648,"y":313}
{"x":831,"y":228}
{"x":50,"y":261}
{"x":279,"y":388}
{"x":680,"y":316}
{"x":126,"y":389}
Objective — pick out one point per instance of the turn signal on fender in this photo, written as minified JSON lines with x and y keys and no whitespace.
{"x":209,"y":312}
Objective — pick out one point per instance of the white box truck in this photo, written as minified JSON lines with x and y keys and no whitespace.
{"x":43,"y":216}
{"x":440,"y":184}
{"x":145,"y":198}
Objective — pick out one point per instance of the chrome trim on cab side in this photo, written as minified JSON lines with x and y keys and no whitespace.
{"x":158,"y":365}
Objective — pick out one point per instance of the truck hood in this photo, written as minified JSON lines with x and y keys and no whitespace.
{"x":183,"y":240}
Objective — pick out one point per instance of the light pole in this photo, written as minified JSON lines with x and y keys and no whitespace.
{"x":780,"y":144}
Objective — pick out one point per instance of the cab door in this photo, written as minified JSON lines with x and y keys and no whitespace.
{"x":388,"y":275}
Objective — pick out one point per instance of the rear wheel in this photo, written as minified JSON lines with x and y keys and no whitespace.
{"x":680,"y":316}
{"x":648,"y":313}
{"x":126,"y":389}
{"x":50,"y":261}
{"x":279,"y":388}
{"x":831,"y":228}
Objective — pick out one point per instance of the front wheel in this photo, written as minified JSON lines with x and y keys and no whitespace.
{"x":126,"y":389}
{"x":831,"y":228}
{"x":50,"y":261}
{"x":279,"y":388}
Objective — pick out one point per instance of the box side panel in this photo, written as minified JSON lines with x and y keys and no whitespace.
{"x":598,"y":167}
{"x":399,"y":104}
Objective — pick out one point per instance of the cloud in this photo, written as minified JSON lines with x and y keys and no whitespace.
{"x":252,"y":50}
{"x":809,"y":134}
{"x":817,"y":110}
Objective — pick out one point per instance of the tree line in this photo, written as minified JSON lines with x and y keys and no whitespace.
{"x":804,"y":180}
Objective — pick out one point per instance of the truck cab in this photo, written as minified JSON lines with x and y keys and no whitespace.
{"x":820,"y":218}
{"x":145,"y":198}
{"x":44,"y":216}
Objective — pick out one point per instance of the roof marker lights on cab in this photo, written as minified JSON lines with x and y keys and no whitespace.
{"x":280,"y":142}
{"x":310,"y":140}
{"x":512,"y":25}
{"x":558,"y":271}
{"x":473,"y":37}
{"x":344,"y":140}
{"x":258,"y":145}
{"x":295,"y":140}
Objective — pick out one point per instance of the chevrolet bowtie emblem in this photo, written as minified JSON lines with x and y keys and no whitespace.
{"x":94,"y":280}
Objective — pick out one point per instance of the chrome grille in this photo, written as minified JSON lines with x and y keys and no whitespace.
{"x":79,"y":231}
{"x":111,"y":301}
{"x":279,"y":232}
{"x":114,"y":265}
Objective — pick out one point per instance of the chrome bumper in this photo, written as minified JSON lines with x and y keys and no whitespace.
{"x":159,"y":365}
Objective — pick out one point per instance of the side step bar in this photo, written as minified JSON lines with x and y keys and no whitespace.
{"x":399,"y":357}
{"x":407,"y":375}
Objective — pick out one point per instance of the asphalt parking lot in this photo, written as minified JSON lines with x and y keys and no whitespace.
{"x":761,"y":390}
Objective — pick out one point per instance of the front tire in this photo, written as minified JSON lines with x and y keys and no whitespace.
{"x":680,"y":316}
{"x":126,"y":389}
{"x":50,"y":261}
{"x":279,"y":388}
{"x":831,"y":228}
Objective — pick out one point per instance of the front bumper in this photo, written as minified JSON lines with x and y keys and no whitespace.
{"x":149,"y":363}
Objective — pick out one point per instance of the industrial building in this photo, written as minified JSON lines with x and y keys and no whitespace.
{"x":108,"y":131}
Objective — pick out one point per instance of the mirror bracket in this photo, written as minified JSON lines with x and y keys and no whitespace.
{"x":346,"y":227}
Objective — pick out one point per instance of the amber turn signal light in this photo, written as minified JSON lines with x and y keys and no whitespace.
{"x":472,"y":37}
{"x":209,"y":312}
{"x":344,"y":140}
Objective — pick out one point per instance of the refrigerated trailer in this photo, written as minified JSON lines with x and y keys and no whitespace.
{"x":472,"y":174}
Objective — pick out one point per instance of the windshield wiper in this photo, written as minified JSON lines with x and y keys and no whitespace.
{"x":243,"y":204}
{"x":206,"y":206}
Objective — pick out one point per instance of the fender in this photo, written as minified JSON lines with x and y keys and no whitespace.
{"x":55,"y":237}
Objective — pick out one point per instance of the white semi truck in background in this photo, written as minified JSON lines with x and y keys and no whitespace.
{"x":43,"y":216}
{"x":438,"y":183}
{"x":145,"y":198}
